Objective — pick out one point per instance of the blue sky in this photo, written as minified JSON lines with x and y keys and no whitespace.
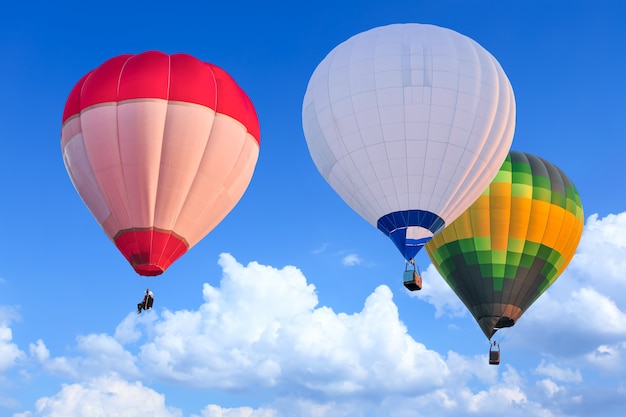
{"x":294,"y":305}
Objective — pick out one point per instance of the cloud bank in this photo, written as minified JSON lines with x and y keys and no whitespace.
{"x":263,"y":330}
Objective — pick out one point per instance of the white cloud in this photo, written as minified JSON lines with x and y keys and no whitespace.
{"x":100,"y":353}
{"x":558,"y":373}
{"x":320,"y":249}
{"x":610,"y":358}
{"x":586,"y":307}
{"x":262,"y":328}
{"x":351,"y":260}
{"x":214,"y":410}
{"x":9,"y":351}
{"x":437,"y":292}
{"x":102,"y":397}
{"x":549,"y":387}
{"x":57,"y":365}
{"x":600,"y":261}
{"x":275,"y":334}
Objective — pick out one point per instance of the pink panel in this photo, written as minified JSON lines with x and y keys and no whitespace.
{"x":70,"y":129}
{"x":102,"y":152}
{"x":187,"y":129}
{"x":83,"y":178}
{"x":220,"y":181}
{"x":140,"y":136}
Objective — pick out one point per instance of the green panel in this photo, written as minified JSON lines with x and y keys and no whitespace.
{"x":471,"y":258}
{"x":526,"y":261}
{"x":542,"y":194}
{"x":447,"y":269}
{"x":498,"y":257}
{"x":573,"y":202}
{"x":482,"y":243}
{"x":502,"y":176}
{"x":544,"y":252}
{"x":441,"y":253}
{"x":555,"y":258}
{"x":436,"y":256}
{"x":466,"y":245}
{"x":497,"y":270}
{"x":511,"y":271}
{"x":484,"y":257}
{"x":531,"y":248}
{"x":520,"y":168}
{"x":513,"y":258}
{"x":498,"y":283}
{"x":559,"y":200}
{"x":516,"y":245}
{"x":549,"y":271}
{"x":522,"y":178}
{"x":485,"y":269}
{"x":522,"y":190}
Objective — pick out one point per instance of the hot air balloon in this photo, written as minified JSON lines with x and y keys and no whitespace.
{"x":502,"y":253}
{"x":160,"y":148}
{"x":409,"y":123}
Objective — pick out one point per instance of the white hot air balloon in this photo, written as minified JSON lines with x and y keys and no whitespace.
{"x":409,"y":124}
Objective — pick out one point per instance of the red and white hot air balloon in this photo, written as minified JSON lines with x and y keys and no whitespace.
{"x":160,"y":148}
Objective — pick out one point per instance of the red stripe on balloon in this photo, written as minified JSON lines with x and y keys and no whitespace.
{"x":154,"y":74}
{"x":150,"y":251}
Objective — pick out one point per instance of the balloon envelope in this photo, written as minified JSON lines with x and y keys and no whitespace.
{"x":502,"y":253}
{"x":409,"y":123}
{"x":160,"y":148}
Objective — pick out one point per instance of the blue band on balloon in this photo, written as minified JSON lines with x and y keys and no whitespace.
{"x":395,"y":224}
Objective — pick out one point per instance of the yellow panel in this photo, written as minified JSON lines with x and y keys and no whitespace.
{"x":553,"y":228}
{"x":520,"y":217}
{"x":574,"y":226}
{"x":461,"y":228}
{"x":479,"y":218}
{"x":539,"y":211}
{"x":500,"y":200}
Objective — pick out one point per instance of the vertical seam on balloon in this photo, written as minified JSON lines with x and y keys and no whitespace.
{"x":464,"y":187}
{"x":357,"y":192}
{"x":550,"y":205}
{"x":557,"y":212}
{"x":152,"y":221}
{"x":525,"y":302}
{"x":216,"y":93}
{"x":574,"y":232}
{"x":516,"y":158}
{"x":119,"y":149}
{"x":428,"y":70}
{"x":451,"y":210}
{"x":382,"y":204}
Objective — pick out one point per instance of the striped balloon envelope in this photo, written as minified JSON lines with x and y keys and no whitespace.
{"x":408,"y":123}
{"x":502,"y":253}
{"x":160,"y":148}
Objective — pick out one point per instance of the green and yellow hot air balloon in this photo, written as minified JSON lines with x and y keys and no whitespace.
{"x":504,"y":251}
